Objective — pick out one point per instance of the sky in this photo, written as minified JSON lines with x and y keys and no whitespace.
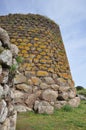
{"x":71,"y":17}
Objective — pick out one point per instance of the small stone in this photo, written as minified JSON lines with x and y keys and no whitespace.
{"x":6,"y":57}
{"x":72,"y":93}
{"x":44,"y":86}
{"x":63,"y":96}
{"x":14,"y":49}
{"x":6,"y":90}
{"x":60,"y":104}
{"x":35,"y":81}
{"x":31,"y":99}
{"x":18,"y":94}
{"x":61,"y":82}
{"x":43,"y":107}
{"x":49,"y":80}
{"x":50,"y":95}
{"x":19,"y":78}
{"x":55,"y":87}
{"x":5,"y":75}
{"x":25,"y":88}
{"x":74,"y":102}
{"x":4,"y":38}
{"x":1,"y":91}
{"x":13,"y":120}
{"x":3,"y":111}
{"x":42,"y":73}
{"x":0,"y":43}
{"x":0,"y":69}
{"x":21,"y":108}
{"x":6,"y":124}
{"x":35,"y":89}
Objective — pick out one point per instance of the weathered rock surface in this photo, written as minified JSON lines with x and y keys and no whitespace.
{"x":74,"y":102}
{"x":3,"y":111}
{"x":8,"y":115}
{"x":25,"y":88}
{"x":50,"y":95}
{"x":4,"y":37}
{"x":19,"y":78}
{"x":43,"y":107}
{"x":6,"y":57}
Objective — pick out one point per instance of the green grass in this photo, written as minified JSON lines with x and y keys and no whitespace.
{"x":60,"y":120}
{"x":82,"y":92}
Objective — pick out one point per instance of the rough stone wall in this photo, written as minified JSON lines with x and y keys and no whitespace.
{"x":7,"y":56}
{"x":46,"y":80}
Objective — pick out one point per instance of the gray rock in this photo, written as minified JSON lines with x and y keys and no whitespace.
{"x":82,"y":97}
{"x":14,"y":49}
{"x":43,"y":107}
{"x":6,"y":90}
{"x":49,"y":80}
{"x":32,"y":98}
{"x":1,"y":91}
{"x":0,"y":69}
{"x":4,"y":38}
{"x":72,"y":94}
{"x":0,"y":43}
{"x":6,"y":125}
{"x":25,"y":88}
{"x":55,"y":87}
{"x":3,"y":111}
{"x":19,"y":78}
{"x":63,"y":96}
{"x":5,"y":75}
{"x":18,"y":94}
{"x":50,"y":95}
{"x":22,"y":108}
{"x":6,"y":57}
{"x":60,"y":104}
{"x":74,"y":102}
{"x":44,"y":86}
{"x":13,"y":120}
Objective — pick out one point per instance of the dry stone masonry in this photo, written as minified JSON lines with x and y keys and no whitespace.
{"x":44,"y":81}
{"x":8,"y":54}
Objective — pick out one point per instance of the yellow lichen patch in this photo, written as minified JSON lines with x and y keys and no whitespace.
{"x":21,"y":47}
{"x":36,"y":39}
{"x":43,"y":53}
{"x":13,"y":40}
{"x":25,"y":40}
{"x":35,"y":81}
{"x":20,"y":54}
{"x":43,"y":46}
{"x":25,"y":55}
{"x":19,"y":40}
{"x":36,"y":60}
{"x":26,"y":48}
{"x":36,"y":45}
{"x":20,"y":27}
{"x":46,"y":57}
{"x":24,"y":51}
{"x":25,"y":65}
{"x":42,"y":73}
{"x":43,"y":61}
{"x":29,"y":44}
{"x":50,"y":70}
{"x":39,"y":56}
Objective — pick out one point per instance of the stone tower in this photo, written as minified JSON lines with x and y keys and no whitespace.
{"x":46,"y":80}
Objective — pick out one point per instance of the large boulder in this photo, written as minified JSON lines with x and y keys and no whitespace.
{"x":43,"y":107}
{"x":6,"y":57}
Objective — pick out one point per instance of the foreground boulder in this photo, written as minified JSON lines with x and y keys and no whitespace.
{"x":8,"y":114}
